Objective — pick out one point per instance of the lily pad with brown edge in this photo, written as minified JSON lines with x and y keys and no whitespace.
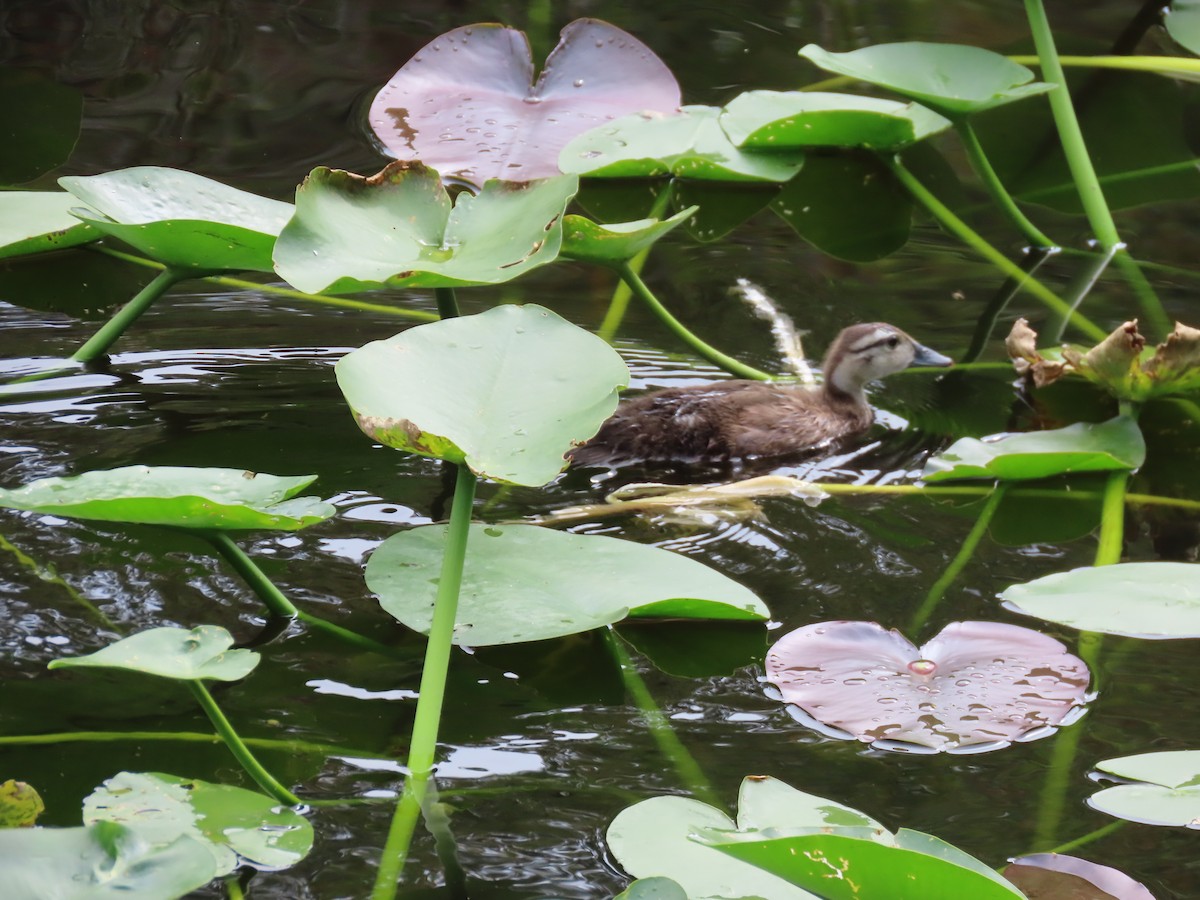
{"x":20,"y":805}
{"x":1162,"y":789}
{"x":466,"y":104}
{"x":399,"y":228}
{"x":976,"y":686}
{"x":1055,"y":876}
{"x":617,"y":242}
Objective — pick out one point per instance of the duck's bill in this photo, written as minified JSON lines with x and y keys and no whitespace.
{"x":927,"y":357}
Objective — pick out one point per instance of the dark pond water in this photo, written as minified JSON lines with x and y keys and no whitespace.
{"x":542,"y":746}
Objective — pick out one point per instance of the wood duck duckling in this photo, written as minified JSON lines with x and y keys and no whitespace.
{"x":731,"y":420}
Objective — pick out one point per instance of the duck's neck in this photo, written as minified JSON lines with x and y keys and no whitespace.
{"x":840,"y":388}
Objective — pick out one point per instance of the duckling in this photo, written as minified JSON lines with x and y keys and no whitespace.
{"x":731,"y":420}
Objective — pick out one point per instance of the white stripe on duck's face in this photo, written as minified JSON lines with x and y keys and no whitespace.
{"x":864,"y":353}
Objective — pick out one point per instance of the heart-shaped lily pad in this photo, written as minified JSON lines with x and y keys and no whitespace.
{"x":1165,"y":788}
{"x":399,"y":229}
{"x":1083,"y":447}
{"x":35,"y":221}
{"x":1141,"y":599}
{"x":239,"y":826}
{"x":181,"y":219}
{"x":507,"y":391}
{"x":976,"y":686}
{"x":204,"y":652}
{"x":464,"y":104}
{"x":181,"y":496}
{"x":525,"y":583}
{"x":1052,"y":875}
{"x":789,"y":120}
{"x":690,"y":144}
{"x":954,"y":79}
{"x":615,"y":242}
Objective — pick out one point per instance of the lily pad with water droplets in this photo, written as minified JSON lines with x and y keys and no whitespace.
{"x":179,"y":496}
{"x":239,"y":826}
{"x":1053,"y":875}
{"x":1165,"y":788}
{"x":203,"y":652}
{"x":464,"y":104}
{"x":976,"y":686}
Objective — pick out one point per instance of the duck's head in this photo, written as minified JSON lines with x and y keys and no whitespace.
{"x":864,"y":353}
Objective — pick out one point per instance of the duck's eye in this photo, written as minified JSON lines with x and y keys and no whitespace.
{"x":893,"y":341}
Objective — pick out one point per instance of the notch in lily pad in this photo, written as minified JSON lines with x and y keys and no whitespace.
{"x":399,"y":228}
{"x":1162,"y":789}
{"x":201,"y":653}
{"x":507,"y":392}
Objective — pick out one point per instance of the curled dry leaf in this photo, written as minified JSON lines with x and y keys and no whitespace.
{"x":1021,"y":344}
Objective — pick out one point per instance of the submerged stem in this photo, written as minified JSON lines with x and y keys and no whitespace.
{"x":98,"y":344}
{"x":1112,"y":519}
{"x":447,"y":302}
{"x":621,"y":292}
{"x":275,"y":600}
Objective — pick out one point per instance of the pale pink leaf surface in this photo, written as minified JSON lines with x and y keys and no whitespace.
{"x":1052,"y":876}
{"x":466,"y":105}
{"x":977,"y":685}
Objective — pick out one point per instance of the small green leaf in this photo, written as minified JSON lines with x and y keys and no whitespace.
{"x":789,"y":120}
{"x":954,"y":79}
{"x":181,"y":219}
{"x":20,"y":805}
{"x":399,"y":229}
{"x":1144,"y":599}
{"x":1083,"y":447}
{"x":525,"y":583}
{"x":616,"y":242}
{"x":179,"y":496}
{"x":690,"y":144}
{"x":1166,"y":792}
{"x":39,"y":123}
{"x":36,"y":221}
{"x":507,"y":391}
{"x":203,"y":652}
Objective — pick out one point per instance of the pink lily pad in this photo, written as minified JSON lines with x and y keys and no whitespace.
{"x":467,"y":106}
{"x":976,"y":686}
{"x":1052,"y":876}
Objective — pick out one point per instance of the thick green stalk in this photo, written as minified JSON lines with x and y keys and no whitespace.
{"x":423,"y":744}
{"x":936,"y":592}
{"x":975,"y":241}
{"x":447,"y":303}
{"x":1053,"y":798}
{"x":1088,"y":838}
{"x":1112,"y":520}
{"x":98,"y":343}
{"x":690,"y":774}
{"x":275,"y":601}
{"x":995,"y":187}
{"x":233,"y":886}
{"x":713,"y":355}
{"x":621,"y":293}
{"x":238,"y":747}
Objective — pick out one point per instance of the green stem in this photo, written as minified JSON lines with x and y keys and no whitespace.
{"x":621,"y":293}
{"x":995,"y":187}
{"x":1053,"y":797}
{"x":348,"y":636}
{"x":1091,"y":836}
{"x":1081,"y":285}
{"x":233,"y":886}
{"x":1034,"y":257}
{"x":98,"y":344}
{"x":238,"y":747}
{"x":423,"y":744}
{"x":186,"y":737}
{"x":728,"y":363}
{"x":690,"y":774}
{"x":978,"y":530}
{"x":275,"y":601}
{"x":960,"y":229}
{"x":52,"y":577}
{"x":447,"y":303}
{"x":1112,"y":519}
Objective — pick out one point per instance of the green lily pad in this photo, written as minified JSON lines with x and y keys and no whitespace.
{"x":180,"y":496}
{"x":953,"y":79}
{"x":1154,"y":600}
{"x":653,"y":889}
{"x":507,"y":391}
{"x":203,"y":652}
{"x":39,"y":124}
{"x":1083,"y":447}
{"x":525,"y":583}
{"x":399,"y":229}
{"x":614,"y":243}
{"x":20,"y":804}
{"x":690,"y":144}
{"x":723,"y":205}
{"x":103,"y":862}
{"x":1166,"y":792}
{"x":181,"y":219}
{"x":789,"y":120}
{"x":1182,"y":19}
{"x":36,"y":221}
{"x":240,"y":826}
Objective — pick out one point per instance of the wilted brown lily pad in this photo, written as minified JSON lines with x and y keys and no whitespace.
{"x":1052,"y":876}
{"x":976,"y":686}
{"x":466,"y":104}
{"x":1121,"y":363}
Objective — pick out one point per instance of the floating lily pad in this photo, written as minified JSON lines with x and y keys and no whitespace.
{"x":239,"y":826}
{"x":690,"y":144}
{"x":789,"y":120}
{"x":614,"y":243}
{"x":105,"y":860}
{"x":653,"y":889}
{"x":954,"y":79}
{"x":202,"y":652}
{"x":1141,"y":599}
{"x":525,"y":583}
{"x":464,"y":104}
{"x":36,"y":221}
{"x":723,"y":205}
{"x":507,"y":391}
{"x":181,"y":496}
{"x":181,"y":219}
{"x":1052,"y":875}
{"x":1182,"y":19}
{"x":1083,"y":447}
{"x":1166,"y":789}
{"x":39,"y":123}
{"x":20,"y":805}
{"x":976,"y":686}
{"x":399,"y":229}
